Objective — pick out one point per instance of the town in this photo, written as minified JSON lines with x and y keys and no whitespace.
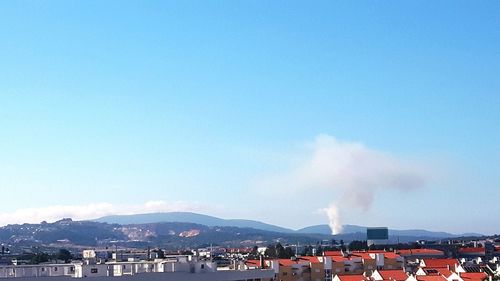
{"x":370,"y":260}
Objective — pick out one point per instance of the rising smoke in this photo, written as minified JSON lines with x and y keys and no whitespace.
{"x":332,"y":212}
{"x":354,"y":171}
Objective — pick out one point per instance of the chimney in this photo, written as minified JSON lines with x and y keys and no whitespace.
{"x":261,"y":259}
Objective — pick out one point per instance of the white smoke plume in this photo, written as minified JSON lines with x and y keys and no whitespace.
{"x":333,"y":215}
{"x":356,"y":174}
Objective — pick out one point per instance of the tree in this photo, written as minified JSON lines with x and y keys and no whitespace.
{"x":64,"y":255}
{"x":307,"y":251}
{"x":319,"y":250}
{"x":289,"y":252}
{"x":358,"y":245}
{"x":254,"y":254}
{"x":39,"y":258}
{"x":271,"y":252}
{"x":280,"y":251}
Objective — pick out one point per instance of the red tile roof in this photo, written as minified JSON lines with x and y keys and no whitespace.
{"x":473,"y":276}
{"x":391,"y":255}
{"x":396,"y":274}
{"x":435,"y":263}
{"x":286,"y":262}
{"x":472,"y":250}
{"x":309,"y":259}
{"x":339,"y":259}
{"x":362,"y":255}
{"x":302,"y":261}
{"x":430,"y":278}
{"x":253,"y":263}
{"x":370,"y":255}
{"x":351,"y":277}
{"x":332,"y":253}
{"x":420,"y":252}
{"x":438,"y":271}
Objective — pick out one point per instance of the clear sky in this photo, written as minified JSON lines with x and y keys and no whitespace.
{"x":251,"y":109}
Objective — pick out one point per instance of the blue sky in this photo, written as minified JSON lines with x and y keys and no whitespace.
{"x":196,"y":104}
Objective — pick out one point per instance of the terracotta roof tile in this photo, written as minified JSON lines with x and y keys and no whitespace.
{"x":473,"y":276}
{"x":430,"y":278}
{"x":472,"y":250}
{"x":421,"y":252}
{"x":435,"y":263}
{"x":394,"y":274}
{"x":332,"y":253}
{"x":351,"y":277}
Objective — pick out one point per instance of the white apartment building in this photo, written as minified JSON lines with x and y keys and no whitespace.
{"x":176,"y":268}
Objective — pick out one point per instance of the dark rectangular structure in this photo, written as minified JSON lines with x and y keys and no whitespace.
{"x":377,"y":233}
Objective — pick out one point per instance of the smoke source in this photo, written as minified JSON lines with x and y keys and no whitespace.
{"x":333,"y":219}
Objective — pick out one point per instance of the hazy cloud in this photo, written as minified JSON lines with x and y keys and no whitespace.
{"x":92,"y":211}
{"x":355,"y":171}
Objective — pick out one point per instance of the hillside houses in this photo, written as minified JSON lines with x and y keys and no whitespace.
{"x":376,"y":265}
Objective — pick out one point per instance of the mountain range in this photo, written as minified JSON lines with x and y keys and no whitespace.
{"x":322,"y":229}
{"x":181,"y":230}
{"x":191,"y":218}
{"x":70,"y":234}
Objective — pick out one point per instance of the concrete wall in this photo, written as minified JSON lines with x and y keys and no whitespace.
{"x":263,"y":275}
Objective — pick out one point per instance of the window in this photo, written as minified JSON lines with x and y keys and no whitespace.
{"x":72,"y":269}
{"x":93,"y":270}
{"x":202,"y":266}
{"x":55,"y":268}
{"x":43,"y":269}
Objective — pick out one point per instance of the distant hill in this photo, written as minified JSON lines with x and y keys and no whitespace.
{"x":349,"y":232}
{"x":414,"y":233}
{"x":325,"y":229}
{"x":143,"y":231}
{"x":320,"y":228}
{"x":171,"y":235}
{"x":189,"y":217}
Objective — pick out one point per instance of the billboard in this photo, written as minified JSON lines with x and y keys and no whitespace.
{"x":377,"y":233}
